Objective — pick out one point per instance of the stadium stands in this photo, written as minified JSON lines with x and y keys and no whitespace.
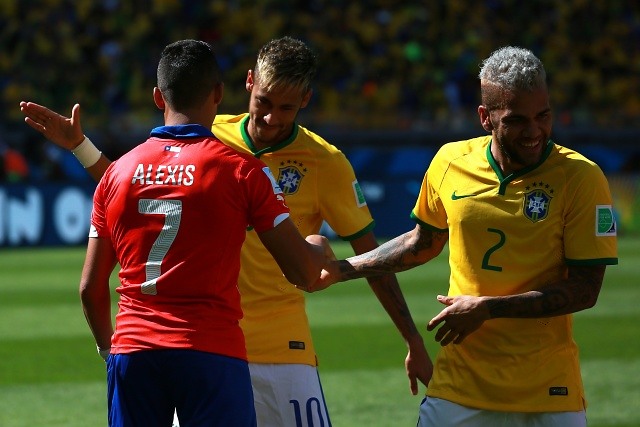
{"x":396,"y":66}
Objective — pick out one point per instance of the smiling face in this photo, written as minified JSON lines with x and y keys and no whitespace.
{"x":272,"y":114}
{"x":520,"y":126}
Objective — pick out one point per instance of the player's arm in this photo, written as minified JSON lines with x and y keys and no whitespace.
{"x":418,"y":364}
{"x":578,"y":292}
{"x":464,"y":314}
{"x":300,"y":260}
{"x":404,"y":252}
{"x":94,"y":290}
{"x":66,"y":133}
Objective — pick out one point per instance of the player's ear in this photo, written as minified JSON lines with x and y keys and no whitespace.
{"x":158,"y":99}
{"x":306,"y":98}
{"x":218,"y":93}
{"x":485,"y":118}
{"x":249,"y":82}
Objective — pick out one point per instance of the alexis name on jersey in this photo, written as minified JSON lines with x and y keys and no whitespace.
{"x":164,"y":174}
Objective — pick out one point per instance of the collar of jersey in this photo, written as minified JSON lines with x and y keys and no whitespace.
{"x":258,"y":153}
{"x":505,"y":180}
{"x":181,"y":131}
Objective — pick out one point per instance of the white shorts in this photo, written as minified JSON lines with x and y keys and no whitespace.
{"x":436,"y":412}
{"x":288,"y":395}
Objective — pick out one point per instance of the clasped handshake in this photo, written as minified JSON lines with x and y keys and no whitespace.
{"x":330,"y":273}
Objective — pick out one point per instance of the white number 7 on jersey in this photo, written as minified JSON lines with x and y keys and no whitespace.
{"x":172,"y":211}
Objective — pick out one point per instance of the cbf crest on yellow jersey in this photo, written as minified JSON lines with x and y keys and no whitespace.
{"x":290,"y":174}
{"x":509,"y":235}
{"x":319,"y":185}
{"x":536,"y":202}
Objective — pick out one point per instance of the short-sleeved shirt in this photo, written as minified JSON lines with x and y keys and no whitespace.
{"x":319,"y":185}
{"x":509,"y":235}
{"x":176,"y":208}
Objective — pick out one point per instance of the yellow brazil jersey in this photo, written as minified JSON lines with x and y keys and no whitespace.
{"x":508,"y":235}
{"x":319,"y":184}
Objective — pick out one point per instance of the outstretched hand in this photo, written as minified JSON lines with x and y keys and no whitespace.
{"x":463,"y":315}
{"x":63,"y":131}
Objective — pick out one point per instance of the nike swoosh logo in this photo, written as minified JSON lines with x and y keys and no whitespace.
{"x":454,"y":196}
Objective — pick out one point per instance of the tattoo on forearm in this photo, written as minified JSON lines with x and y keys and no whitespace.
{"x":402,"y":253}
{"x":388,"y":292}
{"x":429,"y":239}
{"x":578,"y":292}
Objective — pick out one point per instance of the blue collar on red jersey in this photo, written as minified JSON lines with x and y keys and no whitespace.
{"x":181,"y":131}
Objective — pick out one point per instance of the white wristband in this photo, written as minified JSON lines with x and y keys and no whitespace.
{"x":104,"y":353}
{"x":87,"y":153}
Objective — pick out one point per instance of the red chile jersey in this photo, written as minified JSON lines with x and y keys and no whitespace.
{"x":176,"y":209}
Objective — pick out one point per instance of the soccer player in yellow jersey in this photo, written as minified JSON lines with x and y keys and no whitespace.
{"x":319,"y":185}
{"x":531,"y":230}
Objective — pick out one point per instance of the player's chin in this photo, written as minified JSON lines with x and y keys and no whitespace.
{"x":530,"y":155}
{"x":270,"y":134}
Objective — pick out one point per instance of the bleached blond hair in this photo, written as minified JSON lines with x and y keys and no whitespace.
{"x":285,"y":62}
{"x":510,"y":69}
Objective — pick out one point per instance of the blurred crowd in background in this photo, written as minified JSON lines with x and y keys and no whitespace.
{"x":384,"y":64}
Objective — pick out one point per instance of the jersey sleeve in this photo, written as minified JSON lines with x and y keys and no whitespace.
{"x":429,"y":210}
{"x":341,"y":200}
{"x":590,"y":225}
{"x":265,"y":198}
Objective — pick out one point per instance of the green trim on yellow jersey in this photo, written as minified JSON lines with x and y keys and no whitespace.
{"x":257,"y":153}
{"x":360,"y":233}
{"x":505,"y":180}
{"x":595,"y":261}
{"x":424,"y":224}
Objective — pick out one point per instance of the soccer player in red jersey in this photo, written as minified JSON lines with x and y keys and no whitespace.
{"x":320,"y":185}
{"x":173,"y":212}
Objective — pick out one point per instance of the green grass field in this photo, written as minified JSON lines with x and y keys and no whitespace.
{"x":50,"y":374}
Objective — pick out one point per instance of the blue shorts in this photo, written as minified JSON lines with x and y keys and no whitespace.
{"x":205,"y":389}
